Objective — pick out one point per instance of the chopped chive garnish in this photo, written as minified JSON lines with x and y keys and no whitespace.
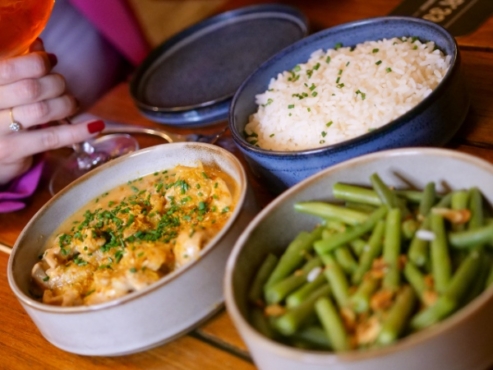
{"x":324,"y":134}
{"x":271,"y":135}
{"x":363,"y":95}
{"x":297,"y":68}
{"x":290,"y":106}
{"x":375,"y":50}
{"x":328,"y":124}
{"x":327,"y":60}
{"x":317,"y":66}
{"x":378,"y":63}
{"x":388,"y":69}
{"x":338,"y":46}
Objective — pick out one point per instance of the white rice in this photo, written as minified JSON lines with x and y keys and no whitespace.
{"x":343,"y":93}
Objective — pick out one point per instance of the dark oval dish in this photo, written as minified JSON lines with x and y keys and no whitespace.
{"x":189,"y":80}
{"x":433,"y":122}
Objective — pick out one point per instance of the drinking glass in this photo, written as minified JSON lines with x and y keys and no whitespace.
{"x":21,"y":22}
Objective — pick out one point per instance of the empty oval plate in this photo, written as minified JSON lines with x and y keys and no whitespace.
{"x":190,"y":79}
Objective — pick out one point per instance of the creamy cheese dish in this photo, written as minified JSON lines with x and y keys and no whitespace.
{"x":132,"y":236}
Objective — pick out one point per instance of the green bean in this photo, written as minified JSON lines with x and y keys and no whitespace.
{"x":391,"y":248}
{"x":337,"y":280}
{"x":445,"y":202}
{"x":299,"y":295}
{"x":409,"y":228}
{"x":471,"y":238}
{"x":418,"y":249}
{"x":295,"y":317}
{"x":417,"y":280}
{"x":478,"y":286}
{"x":428,"y":199}
{"x":353,"y":193}
{"x":414,"y":196}
{"x":256,"y":288}
{"x":294,"y":255}
{"x":357,"y":246}
{"x":366,"y":208}
{"x":476,"y":206}
{"x":333,"y":225}
{"x":328,"y":245}
{"x":277,"y":292}
{"x":396,"y":319}
{"x":440,"y":257}
{"x":371,"y":251}
{"x":331,"y":211}
{"x":345,"y":259}
{"x":453,"y":295}
{"x":315,"y":336}
{"x":261,"y":323}
{"x":332,"y":323}
{"x":384,"y":193}
{"x":360,"y":300}
{"x":460,"y":200}
{"x":432,"y":315}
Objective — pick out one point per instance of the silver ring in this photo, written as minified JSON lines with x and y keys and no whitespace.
{"x":14,"y":126}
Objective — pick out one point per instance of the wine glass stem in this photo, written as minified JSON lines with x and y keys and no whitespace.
{"x":87,"y":156}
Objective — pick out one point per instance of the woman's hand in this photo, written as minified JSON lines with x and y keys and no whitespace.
{"x":30,"y":95}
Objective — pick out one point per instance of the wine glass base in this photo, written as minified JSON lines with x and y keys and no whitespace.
{"x":106,"y":147}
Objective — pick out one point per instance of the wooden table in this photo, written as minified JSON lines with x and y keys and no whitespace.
{"x":216,"y":344}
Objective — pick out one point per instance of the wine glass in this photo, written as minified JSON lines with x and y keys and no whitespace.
{"x":88,"y":155}
{"x":21,"y":22}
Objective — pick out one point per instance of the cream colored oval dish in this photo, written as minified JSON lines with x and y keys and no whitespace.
{"x":462,"y":341}
{"x":164,"y":310}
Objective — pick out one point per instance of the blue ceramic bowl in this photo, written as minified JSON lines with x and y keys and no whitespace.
{"x":432,"y":122}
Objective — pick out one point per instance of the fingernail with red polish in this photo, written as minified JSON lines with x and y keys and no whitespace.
{"x":96,"y":126}
{"x":53,"y":59}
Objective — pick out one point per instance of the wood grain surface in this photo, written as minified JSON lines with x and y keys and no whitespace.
{"x":216,"y":344}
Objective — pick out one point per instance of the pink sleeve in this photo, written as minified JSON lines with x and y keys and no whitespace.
{"x":116,"y":21}
{"x":12,"y":195}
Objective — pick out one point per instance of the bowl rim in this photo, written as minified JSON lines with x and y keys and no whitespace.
{"x":455,"y":62}
{"x":320,"y":357}
{"x":242,"y":185}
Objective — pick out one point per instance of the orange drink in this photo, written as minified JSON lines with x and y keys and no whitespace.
{"x":21,"y":21}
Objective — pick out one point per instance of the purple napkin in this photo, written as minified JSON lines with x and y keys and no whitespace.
{"x":20,"y":188}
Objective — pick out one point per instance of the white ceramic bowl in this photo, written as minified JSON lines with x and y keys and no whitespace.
{"x":462,"y":341}
{"x":159,"y":313}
